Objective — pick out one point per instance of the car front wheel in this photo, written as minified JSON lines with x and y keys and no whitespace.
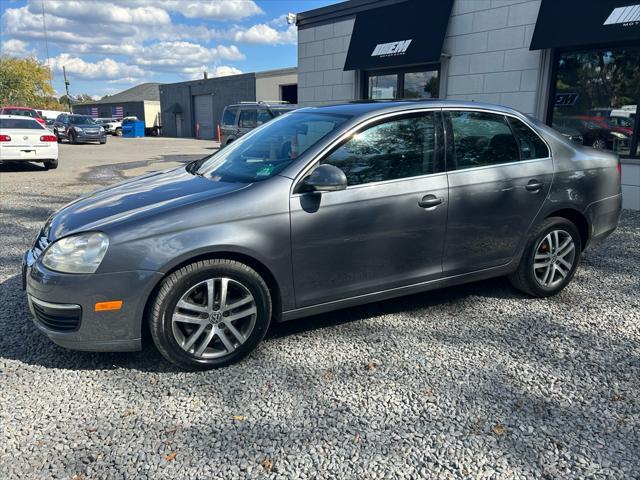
{"x":210,"y":314}
{"x":550,"y":258}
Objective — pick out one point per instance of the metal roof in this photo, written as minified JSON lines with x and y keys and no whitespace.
{"x":140,"y":93}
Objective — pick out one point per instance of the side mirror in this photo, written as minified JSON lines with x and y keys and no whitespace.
{"x":325,"y":178}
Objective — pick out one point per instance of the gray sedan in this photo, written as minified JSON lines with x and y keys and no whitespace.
{"x":319,"y":209}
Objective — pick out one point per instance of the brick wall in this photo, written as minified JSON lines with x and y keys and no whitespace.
{"x":322,"y":51}
{"x":488,"y":41}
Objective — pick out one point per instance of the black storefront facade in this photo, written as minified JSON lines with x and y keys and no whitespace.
{"x":574,"y":64}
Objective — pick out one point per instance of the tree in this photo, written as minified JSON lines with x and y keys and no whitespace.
{"x":25,"y":82}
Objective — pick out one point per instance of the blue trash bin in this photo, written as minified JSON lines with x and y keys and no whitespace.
{"x":133,"y":129}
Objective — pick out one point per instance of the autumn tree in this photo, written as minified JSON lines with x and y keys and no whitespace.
{"x":26,"y":82}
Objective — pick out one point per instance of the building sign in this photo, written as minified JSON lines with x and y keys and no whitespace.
{"x":566,"y":99}
{"x":626,"y":16}
{"x":391,"y":48}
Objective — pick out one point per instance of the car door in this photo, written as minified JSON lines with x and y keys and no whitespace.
{"x":387,"y":228}
{"x":499,"y":172}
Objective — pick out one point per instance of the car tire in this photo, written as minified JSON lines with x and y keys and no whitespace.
{"x":72,"y":138}
{"x":118,"y":132}
{"x":190,"y":286}
{"x":599,"y":143}
{"x":50,"y":164}
{"x":546,"y":266}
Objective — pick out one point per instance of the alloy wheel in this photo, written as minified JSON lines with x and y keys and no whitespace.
{"x":554,"y":258}
{"x":214,"y":317}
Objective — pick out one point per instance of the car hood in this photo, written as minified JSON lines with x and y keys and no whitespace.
{"x":135,"y":199}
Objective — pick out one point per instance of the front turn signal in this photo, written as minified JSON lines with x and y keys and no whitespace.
{"x":106,"y":306}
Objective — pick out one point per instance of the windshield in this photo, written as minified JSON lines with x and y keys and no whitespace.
{"x":269,"y":149}
{"x":81,"y":121}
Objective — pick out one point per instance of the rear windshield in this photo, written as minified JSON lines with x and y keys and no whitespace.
{"x":20,"y":123}
{"x":229,"y":116}
{"x":270,"y":148}
{"x":81,"y":120}
{"x":20,"y":112}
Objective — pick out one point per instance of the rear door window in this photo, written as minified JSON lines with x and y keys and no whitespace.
{"x":229,"y":117}
{"x":263,"y":116}
{"x":247,"y":118}
{"x":531,"y":145}
{"x":481,"y":139}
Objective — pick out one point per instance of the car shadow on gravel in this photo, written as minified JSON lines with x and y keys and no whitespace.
{"x":21,"y":167}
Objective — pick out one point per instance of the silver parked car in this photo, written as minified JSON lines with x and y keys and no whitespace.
{"x":319,"y":209}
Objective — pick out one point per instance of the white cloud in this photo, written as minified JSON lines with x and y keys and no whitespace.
{"x":107,"y":69}
{"x":14,"y":48}
{"x":270,"y":33}
{"x":95,"y":11}
{"x":209,"y":9}
{"x":194,"y":73}
{"x":175,"y":55}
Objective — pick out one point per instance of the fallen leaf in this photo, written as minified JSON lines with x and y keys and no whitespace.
{"x":239,"y":418}
{"x":78,"y":477}
{"x":171,"y":457}
{"x":621,"y":420}
{"x":127,"y":413}
{"x":498,"y":429}
{"x":617,"y":398}
{"x":173,"y":429}
{"x":372,"y":365}
{"x":92,"y":430}
{"x":357,"y":438}
{"x":267,"y":464}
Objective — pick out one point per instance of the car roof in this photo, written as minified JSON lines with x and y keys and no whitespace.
{"x":19,"y":117}
{"x":373,"y":107}
{"x":272,"y":106}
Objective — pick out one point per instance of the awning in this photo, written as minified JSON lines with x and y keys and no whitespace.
{"x":580,"y":23}
{"x":401,"y":34}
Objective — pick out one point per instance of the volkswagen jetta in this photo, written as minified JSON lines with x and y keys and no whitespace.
{"x":319,"y":209}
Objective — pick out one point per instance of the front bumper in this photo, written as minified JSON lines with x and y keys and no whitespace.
{"x":85,"y":137}
{"x":57,"y":300}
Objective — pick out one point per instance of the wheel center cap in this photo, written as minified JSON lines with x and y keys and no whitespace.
{"x":214,"y":317}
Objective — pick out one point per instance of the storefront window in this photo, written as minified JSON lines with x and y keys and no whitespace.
{"x":383,"y":87}
{"x":596,"y":97}
{"x":402,"y":84}
{"x":420,"y":85}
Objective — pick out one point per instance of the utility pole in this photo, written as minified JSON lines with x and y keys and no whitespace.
{"x":66,"y":87}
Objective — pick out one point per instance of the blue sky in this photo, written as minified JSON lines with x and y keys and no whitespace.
{"x":110,"y":45}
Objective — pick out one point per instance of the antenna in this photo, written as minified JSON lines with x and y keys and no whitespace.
{"x":66,"y":87}
{"x":46,"y":45}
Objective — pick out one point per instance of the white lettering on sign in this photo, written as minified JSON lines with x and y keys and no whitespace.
{"x":627,"y":16}
{"x":391,"y":48}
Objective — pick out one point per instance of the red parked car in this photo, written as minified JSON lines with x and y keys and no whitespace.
{"x":23,"y":112}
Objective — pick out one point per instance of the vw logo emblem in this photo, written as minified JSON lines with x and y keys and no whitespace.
{"x":215,"y":317}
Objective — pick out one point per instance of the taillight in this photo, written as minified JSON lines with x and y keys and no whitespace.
{"x":48,"y":138}
{"x":41,"y":120}
{"x":5,"y":138}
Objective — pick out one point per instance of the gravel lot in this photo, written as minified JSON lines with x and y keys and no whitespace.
{"x":469,"y":382}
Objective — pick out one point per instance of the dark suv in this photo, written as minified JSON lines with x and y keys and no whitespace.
{"x":78,"y":129}
{"x":243,"y":117}
{"x":320,"y":209}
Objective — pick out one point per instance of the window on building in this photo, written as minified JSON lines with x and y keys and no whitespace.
{"x":481,"y":139}
{"x":596,"y":97}
{"x":399,"y":148}
{"x":387,"y":85}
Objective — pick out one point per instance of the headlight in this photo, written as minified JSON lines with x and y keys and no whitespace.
{"x":77,"y":129}
{"x":619,"y":135}
{"x":102,"y":129}
{"x":77,"y":254}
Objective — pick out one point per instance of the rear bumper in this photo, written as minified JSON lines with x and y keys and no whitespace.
{"x":63,"y":306}
{"x":13,"y":154}
{"x":603,"y":216}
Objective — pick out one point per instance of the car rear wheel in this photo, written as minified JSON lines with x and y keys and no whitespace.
{"x":51,"y":164}
{"x":72,"y":138}
{"x":118,"y":132}
{"x":550,"y":258}
{"x":210,"y":314}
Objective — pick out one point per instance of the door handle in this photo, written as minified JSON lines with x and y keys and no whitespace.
{"x":534,"y":185}
{"x":429,"y":201}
